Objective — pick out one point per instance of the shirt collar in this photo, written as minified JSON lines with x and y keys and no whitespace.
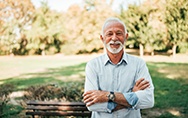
{"x":124,"y":59}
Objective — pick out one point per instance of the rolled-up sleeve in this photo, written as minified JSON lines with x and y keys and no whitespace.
{"x":131,"y":98}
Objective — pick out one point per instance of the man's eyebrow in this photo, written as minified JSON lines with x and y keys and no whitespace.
{"x":108,"y":31}
{"x":119,"y":31}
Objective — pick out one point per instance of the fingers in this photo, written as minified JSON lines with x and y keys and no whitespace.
{"x":139,"y":81}
{"x":89,"y":104}
{"x":144,"y":86}
{"x":89,"y":97}
{"x":88,"y":92}
{"x":141,"y":84}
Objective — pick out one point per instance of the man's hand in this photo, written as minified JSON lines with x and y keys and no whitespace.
{"x":141,"y":84}
{"x":95,"y":96}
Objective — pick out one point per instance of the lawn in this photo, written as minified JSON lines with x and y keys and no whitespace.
{"x":170,"y":79}
{"x":171,"y":87}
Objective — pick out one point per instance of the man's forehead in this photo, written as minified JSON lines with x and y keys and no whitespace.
{"x":113,"y":25}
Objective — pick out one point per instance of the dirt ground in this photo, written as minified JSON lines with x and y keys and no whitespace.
{"x":179,"y":58}
{"x":157,"y":57}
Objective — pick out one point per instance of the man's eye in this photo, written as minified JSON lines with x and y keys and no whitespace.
{"x":119,"y":33}
{"x":109,"y":34}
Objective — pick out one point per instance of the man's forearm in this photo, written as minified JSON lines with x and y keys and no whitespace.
{"x":121,"y":100}
{"x":118,"y":107}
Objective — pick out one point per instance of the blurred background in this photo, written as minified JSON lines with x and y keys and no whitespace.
{"x":45,"y":27}
{"x":45,"y":45}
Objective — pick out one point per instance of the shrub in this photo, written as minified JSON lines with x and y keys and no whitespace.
{"x":71,"y":91}
{"x":6,"y":110}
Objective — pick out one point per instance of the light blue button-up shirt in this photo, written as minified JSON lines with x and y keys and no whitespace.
{"x":101,"y":74}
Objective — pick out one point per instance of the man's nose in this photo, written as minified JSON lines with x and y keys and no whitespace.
{"x":114,"y":37}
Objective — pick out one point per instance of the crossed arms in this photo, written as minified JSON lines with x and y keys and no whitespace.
{"x":98,"y":96}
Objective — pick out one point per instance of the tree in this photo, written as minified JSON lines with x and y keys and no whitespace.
{"x":85,"y":26}
{"x":47,"y":31}
{"x":140,"y":27}
{"x":176,"y":20}
{"x":15,"y":17}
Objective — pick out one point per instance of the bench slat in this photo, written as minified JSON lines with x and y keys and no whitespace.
{"x":41,"y":113}
{"x":60,"y":108}
{"x":53,"y":108}
{"x":56,"y":103}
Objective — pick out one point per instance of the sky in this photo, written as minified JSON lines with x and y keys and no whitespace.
{"x":63,"y":5}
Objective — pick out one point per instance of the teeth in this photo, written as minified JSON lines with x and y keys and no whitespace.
{"x":117,"y":42}
{"x":114,"y":43}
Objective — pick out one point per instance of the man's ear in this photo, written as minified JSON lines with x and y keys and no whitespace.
{"x":126,"y":36}
{"x":101,"y":37}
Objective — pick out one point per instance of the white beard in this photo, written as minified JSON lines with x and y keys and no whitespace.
{"x":114,"y":50}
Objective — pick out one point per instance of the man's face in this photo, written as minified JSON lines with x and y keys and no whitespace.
{"x":114,"y":37}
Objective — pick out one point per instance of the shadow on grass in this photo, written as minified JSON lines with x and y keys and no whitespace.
{"x":49,"y":76}
{"x":171,"y":97}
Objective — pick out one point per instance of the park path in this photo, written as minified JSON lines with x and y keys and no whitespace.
{"x":179,"y":58}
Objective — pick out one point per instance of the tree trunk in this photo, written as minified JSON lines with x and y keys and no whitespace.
{"x":174,"y":50}
{"x":141,"y":47}
{"x":43,"y":53}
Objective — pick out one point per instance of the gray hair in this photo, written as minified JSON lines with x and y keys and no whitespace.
{"x":112,"y":19}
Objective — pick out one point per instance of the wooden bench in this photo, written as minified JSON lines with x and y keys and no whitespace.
{"x":48,"y":108}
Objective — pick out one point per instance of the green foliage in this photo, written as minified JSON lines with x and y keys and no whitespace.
{"x":138,"y":20}
{"x":10,"y":111}
{"x":176,"y":20}
{"x":6,"y":89}
{"x":15,"y":19}
{"x":182,"y":47}
{"x":85,"y":26}
{"x":46,"y":33}
{"x":6,"y":109}
{"x":153,"y":25}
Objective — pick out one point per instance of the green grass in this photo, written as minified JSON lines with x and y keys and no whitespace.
{"x":171,"y":87}
{"x":58,"y":76}
{"x":170,"y":80}
{"x":15,"y":66}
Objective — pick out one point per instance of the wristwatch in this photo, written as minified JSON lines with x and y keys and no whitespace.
{"x":111,"y":96}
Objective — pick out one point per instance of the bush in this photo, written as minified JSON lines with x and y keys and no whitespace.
{"x":7,"y":110}
{"x":71,"y":91}
{"x":10,"y":111}
{"x":5,"y":90}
